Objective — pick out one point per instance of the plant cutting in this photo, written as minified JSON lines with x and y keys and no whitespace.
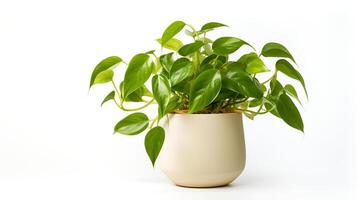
{"x":201,"y":90}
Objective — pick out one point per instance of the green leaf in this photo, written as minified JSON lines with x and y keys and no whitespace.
{"x":154,"y":140}
{"x":290,"y":90}
{"x":227,"y":45}
{"x":274,"y":49}
{"x":289,"y":113}
{"x":104,"y":77}
{"x":190,"y":48}
{"x":253,"y":64}
{"x":239,"y":81}
{"x":276,"y":88}
{"x":269,"y":106}
{"x":166,"y":61}
{"x":204,"y":90}
{"x":137,"y":73}
{"x":109,"y":97}
{"x":172,"y":44}
{"x":137,"y":95}
{"x":132,"y":124}
{"x":180,"y":70}
{"x":174,"y":103}
{"x":210,"y":26}
{"x":286,"y":68}
{"x":108,"y":63}
{"x":171,"y":31}
{"x":161,"y":90}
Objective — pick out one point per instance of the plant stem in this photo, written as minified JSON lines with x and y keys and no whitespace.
{"x":153,"y":122}
{"x":116,"y":90}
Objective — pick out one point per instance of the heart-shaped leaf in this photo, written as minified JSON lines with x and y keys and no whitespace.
{"x":108,"y":63}
{"x":205,"y":89}
{"x":210,"y":26}
{"x":161,"y":90}
{"x":180,"y":70}
{"x":137,"y":73}
{"x":286,"y":68}
{"x":190,"y":48}
{"x":154,"y":140}
{"x":171,"y":31}
{"x":174,"y":103}
{"x":172,"y":44}
{"x":227,"y":45}
{"x":109,"y":97}
{"x":137,"y":95}
{"x":273,"y":49}
{"x":289,"y":113}
{"x":253,"y":64}
{"x":239,"y":81}
{"x":132,"y":124}
{"x":104,"y":76}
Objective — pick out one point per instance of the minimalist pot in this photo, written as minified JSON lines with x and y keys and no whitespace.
{"x":203,"y":150}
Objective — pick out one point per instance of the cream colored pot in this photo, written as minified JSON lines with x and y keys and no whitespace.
{"x":203,"y":150}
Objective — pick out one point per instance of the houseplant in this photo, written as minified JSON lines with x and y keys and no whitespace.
{"x":201,"y":93}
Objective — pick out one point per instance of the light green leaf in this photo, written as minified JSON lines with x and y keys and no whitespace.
{"x":289,"y":113}
{"x":137,"y":73}
{"x":204,"y":90}
{"x":108,"y":63}
{"x":161,"y":90}
{"x":104,"y":77}
{"x":290,"y":90}
{"x":109,"y":97}
{"x":274,"y":49}
{"x":180,"y":70}
{"x":132,"y":124}
{"x":171,"y":31}
{"x":166,"y":61}
{"x":190,"y":48}
{"x":154,"y":140}
{"x":210,"y":26}
{"x":172,"y":44}
{"x":286,"y":68}
{"x":253,"y":64}
{"x":227,"y":45}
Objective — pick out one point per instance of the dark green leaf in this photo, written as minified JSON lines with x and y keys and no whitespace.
{"x":290,"y":90}
{"x":211,"y":25}
{"x":274,"y":49}
{"x":204,"y":90}
{"x":161,"y":90}
{"x":239,"y":81}
{"x":289,"y":113}
{"x":172,"y":44}
{"x":227,"y":45}
{"x":166,"y":61}
{"x":180,"y":70}
{"x":132,"y":124}
{"x":285,"y":67}
{"x":154,"y":140}
{"x":190,"y":48}
{"x":276,"y":88}
{"x":108,"y":63}
{"x":137,"y":73}
{"x":109,"y":97}
{"x":269,"y":106}
{"x":171,"y":31}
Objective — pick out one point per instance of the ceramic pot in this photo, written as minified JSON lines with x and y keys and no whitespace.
{"x":203,"y":150}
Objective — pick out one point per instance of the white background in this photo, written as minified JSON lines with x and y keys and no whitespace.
{"x":57,"y":143}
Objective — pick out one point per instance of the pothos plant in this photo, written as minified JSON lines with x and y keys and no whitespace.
{"x":199,"y":77}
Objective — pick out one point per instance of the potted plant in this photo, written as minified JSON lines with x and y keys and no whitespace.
{"x":201,"y":91}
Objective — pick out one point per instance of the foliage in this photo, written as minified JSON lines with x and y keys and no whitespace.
{"x":200,"y":77}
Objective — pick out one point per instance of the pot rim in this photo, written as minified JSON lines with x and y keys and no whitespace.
{"x":230,"y":113}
